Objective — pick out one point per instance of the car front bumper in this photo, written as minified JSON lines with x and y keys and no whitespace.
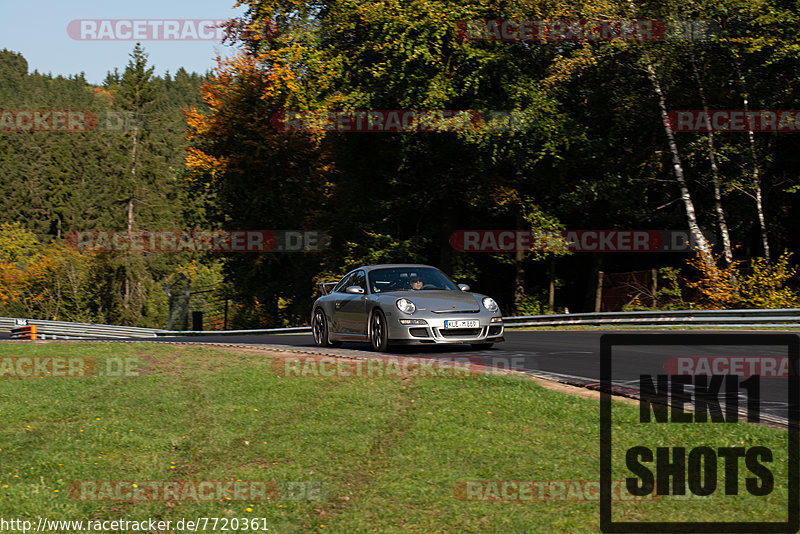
{"x":434,"y":331}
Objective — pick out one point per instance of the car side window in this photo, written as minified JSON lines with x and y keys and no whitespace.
{"x":359,"y":279}
{"x":342,"y":285}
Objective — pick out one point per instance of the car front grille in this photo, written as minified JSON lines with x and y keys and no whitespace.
{"x":460,"y":332}
{"x":495,"y":330}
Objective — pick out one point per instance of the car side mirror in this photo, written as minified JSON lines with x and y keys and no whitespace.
{"x":463,"y":287}
{"x":356,"y":290}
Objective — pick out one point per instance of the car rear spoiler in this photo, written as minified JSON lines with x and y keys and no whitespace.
{"x":323,"y":286}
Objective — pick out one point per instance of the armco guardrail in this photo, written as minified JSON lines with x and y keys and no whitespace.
{"x":787,"y":318}
{"x":65,"y":330}
{"x":781,"y":318}
{"x":288,"y":330}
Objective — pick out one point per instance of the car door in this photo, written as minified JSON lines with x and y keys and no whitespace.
{"x":350,"y":308}
{"x":338,"y":295}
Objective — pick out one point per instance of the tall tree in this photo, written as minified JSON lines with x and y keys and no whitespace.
{"x":722,"y":224}
{"x":135,"y":97}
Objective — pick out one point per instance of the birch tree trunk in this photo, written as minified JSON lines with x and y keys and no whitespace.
{"x":756,"y":181}
{"x":677,"y":168}
{"x":721,"y":222}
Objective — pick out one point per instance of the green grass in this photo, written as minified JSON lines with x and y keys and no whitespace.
{"x":387,"y":452}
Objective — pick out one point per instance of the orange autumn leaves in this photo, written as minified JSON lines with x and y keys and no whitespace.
{"x":244,"y":93}
{"x":759,"y":285}
{"x":45,"y":280}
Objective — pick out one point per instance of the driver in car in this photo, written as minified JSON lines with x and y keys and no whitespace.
{"x":416,"y":283}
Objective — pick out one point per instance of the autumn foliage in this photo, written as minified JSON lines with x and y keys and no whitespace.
{"x":755,"y":285}
{"x":48,"y":281}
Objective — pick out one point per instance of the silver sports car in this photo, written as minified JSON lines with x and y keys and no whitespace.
{"x":403,"y":304}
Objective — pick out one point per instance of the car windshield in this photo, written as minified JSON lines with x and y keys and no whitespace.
{"x":409,"y":279}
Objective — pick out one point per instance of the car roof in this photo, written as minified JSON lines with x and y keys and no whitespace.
{"x":368,"y":268}
{"x":392,"y":265}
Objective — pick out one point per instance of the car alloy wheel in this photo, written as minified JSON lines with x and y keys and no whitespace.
{"x":378,"y":335}
{"x":319,"y":329}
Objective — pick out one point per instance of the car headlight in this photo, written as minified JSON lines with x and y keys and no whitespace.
{"x":490,"y":304}
{"x":406,"y":306}
{"x":413,"y":321}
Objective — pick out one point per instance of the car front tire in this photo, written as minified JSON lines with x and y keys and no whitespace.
{"x":319,"y":328}
{"x":378,"y":333}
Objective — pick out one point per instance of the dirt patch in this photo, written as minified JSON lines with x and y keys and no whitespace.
{"x":153,"y":363}
{"x":578,"y":391}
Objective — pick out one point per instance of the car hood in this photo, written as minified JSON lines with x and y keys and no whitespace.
{"x":439,"y":301}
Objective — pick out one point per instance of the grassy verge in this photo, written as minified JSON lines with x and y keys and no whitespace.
{"x":385,"y":453}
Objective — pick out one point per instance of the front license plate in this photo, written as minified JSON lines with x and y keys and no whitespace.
{"x":461,"y":324}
